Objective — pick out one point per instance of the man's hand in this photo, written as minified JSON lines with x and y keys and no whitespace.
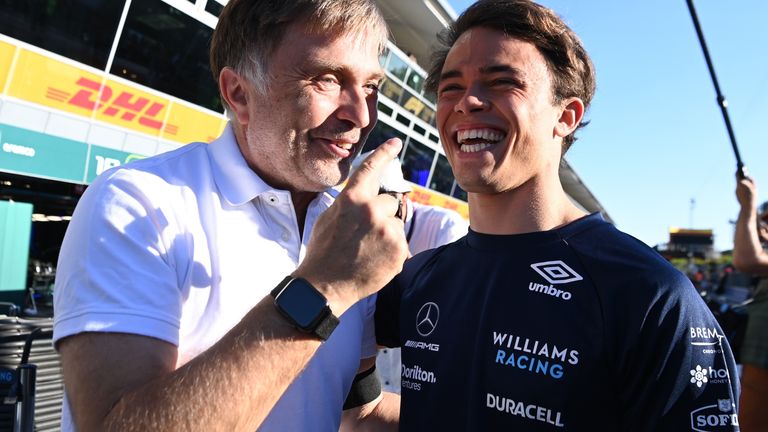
{"x":748,"y":254}
{"x":357,"y":245}
{"x":746,"y":193}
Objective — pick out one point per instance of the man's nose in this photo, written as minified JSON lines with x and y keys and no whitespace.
{"x":471,"y":100}
{"x":354,"y":107}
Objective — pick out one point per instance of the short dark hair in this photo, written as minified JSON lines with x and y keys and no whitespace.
{"x":571,"y":69}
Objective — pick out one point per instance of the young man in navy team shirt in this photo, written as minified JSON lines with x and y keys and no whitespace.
{"x":543,"y":317}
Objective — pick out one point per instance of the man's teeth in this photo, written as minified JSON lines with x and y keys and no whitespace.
{"x":484,"y":134}
{"x":344,"y":146}
{"x":471,"y":148}
{"x":484,"y":138}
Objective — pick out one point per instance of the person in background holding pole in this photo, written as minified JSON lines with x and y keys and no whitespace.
{"x":543,"y":317}
{"x":426,"y":227}
{"x":750,"y":257}
{"x":219,"y":287}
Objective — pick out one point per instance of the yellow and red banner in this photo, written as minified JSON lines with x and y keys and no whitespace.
{"x":46,"y":81}
{"x":430,"y":197}
{"x":6,"y":57}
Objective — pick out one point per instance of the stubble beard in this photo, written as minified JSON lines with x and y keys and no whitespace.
{"x":318,"y":170}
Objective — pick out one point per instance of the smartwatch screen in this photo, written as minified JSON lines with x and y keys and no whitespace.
{"x":302,"y":302}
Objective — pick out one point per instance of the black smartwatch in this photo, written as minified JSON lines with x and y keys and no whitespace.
{"x":304,"y":307}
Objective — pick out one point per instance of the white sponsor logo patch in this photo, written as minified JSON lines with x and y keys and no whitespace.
{"x":701,"y":376}
{"x":549,"y":290}
{"x":556,"y":272}
{"x":714,"y":418}
{"x":422,"y":345}
{"x":524,"y":410}
{"x":414,"y":377}
{"x":706,"y":338}
{"x":532,"y":355}
{"x":19,"y":150}
{"x":426,"y":319}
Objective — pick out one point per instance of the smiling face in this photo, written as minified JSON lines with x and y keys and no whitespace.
{"x":317,"y":112}
{"x":497,"y":120}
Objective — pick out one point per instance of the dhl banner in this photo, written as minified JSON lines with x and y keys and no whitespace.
{"x":6,"y":56}
{"x":52,"y":83}
{"x":49,"y":82}
{"x":192,"y":125}
{"x":427,"y":196}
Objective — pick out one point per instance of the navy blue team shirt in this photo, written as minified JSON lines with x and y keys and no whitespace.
{"x":581,"y":328}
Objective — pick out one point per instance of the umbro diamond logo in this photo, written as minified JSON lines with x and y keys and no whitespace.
{"x":556,"y":272}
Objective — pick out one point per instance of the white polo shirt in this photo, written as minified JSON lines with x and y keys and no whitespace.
{"x":432,"y":226}
{"x":180,"y":247}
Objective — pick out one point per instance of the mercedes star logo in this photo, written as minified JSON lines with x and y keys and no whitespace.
{"x":426,"y":319}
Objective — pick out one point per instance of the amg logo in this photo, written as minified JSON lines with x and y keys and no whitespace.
{"x":422,"y":345}
{"x":549,"y":290}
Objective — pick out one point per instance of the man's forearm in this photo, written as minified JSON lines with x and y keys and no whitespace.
{"x":748,"y":255}
{"x":231,"y":387}
{"x":381,"y":414}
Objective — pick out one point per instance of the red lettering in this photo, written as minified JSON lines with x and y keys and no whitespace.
{"x":147,"y":119}
{"x":129,"y":103}
{"x":83,"y":97}
{"x":124,"y":101}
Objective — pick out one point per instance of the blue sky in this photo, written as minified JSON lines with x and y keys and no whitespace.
{"x":657,"y":139}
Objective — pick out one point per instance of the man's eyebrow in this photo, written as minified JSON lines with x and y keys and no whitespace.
{"x":500,"y":68}
{"x":336,"y":68}
{"x":450,"y":74}
{"x":484,"y":70}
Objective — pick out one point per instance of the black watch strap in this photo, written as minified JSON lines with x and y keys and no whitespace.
{"x":320,"y":322}
{"x":326,"y":326}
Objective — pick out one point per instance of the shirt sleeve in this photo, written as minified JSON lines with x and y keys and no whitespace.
{"x":114,"y":272}
{"x":678,"y":373}
{"x":453,"y":228}
{"x":388,"y":315}
{"x":368,"y":347}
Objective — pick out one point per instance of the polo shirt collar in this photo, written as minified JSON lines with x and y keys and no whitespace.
{"x":236,"y":181}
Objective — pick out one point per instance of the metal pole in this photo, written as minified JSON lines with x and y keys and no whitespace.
{"x":25,"y":405}
{"x":720,"y":98}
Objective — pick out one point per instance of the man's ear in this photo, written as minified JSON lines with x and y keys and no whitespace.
{"x":570,"y":117}
{"x":234,"y":91}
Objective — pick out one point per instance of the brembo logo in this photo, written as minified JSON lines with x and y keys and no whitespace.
{"x":426,"y":319}
{"x":707,"y":339}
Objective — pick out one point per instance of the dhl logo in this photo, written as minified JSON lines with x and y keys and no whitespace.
{"x":126,"y":105}
{"x":41,"y":79}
